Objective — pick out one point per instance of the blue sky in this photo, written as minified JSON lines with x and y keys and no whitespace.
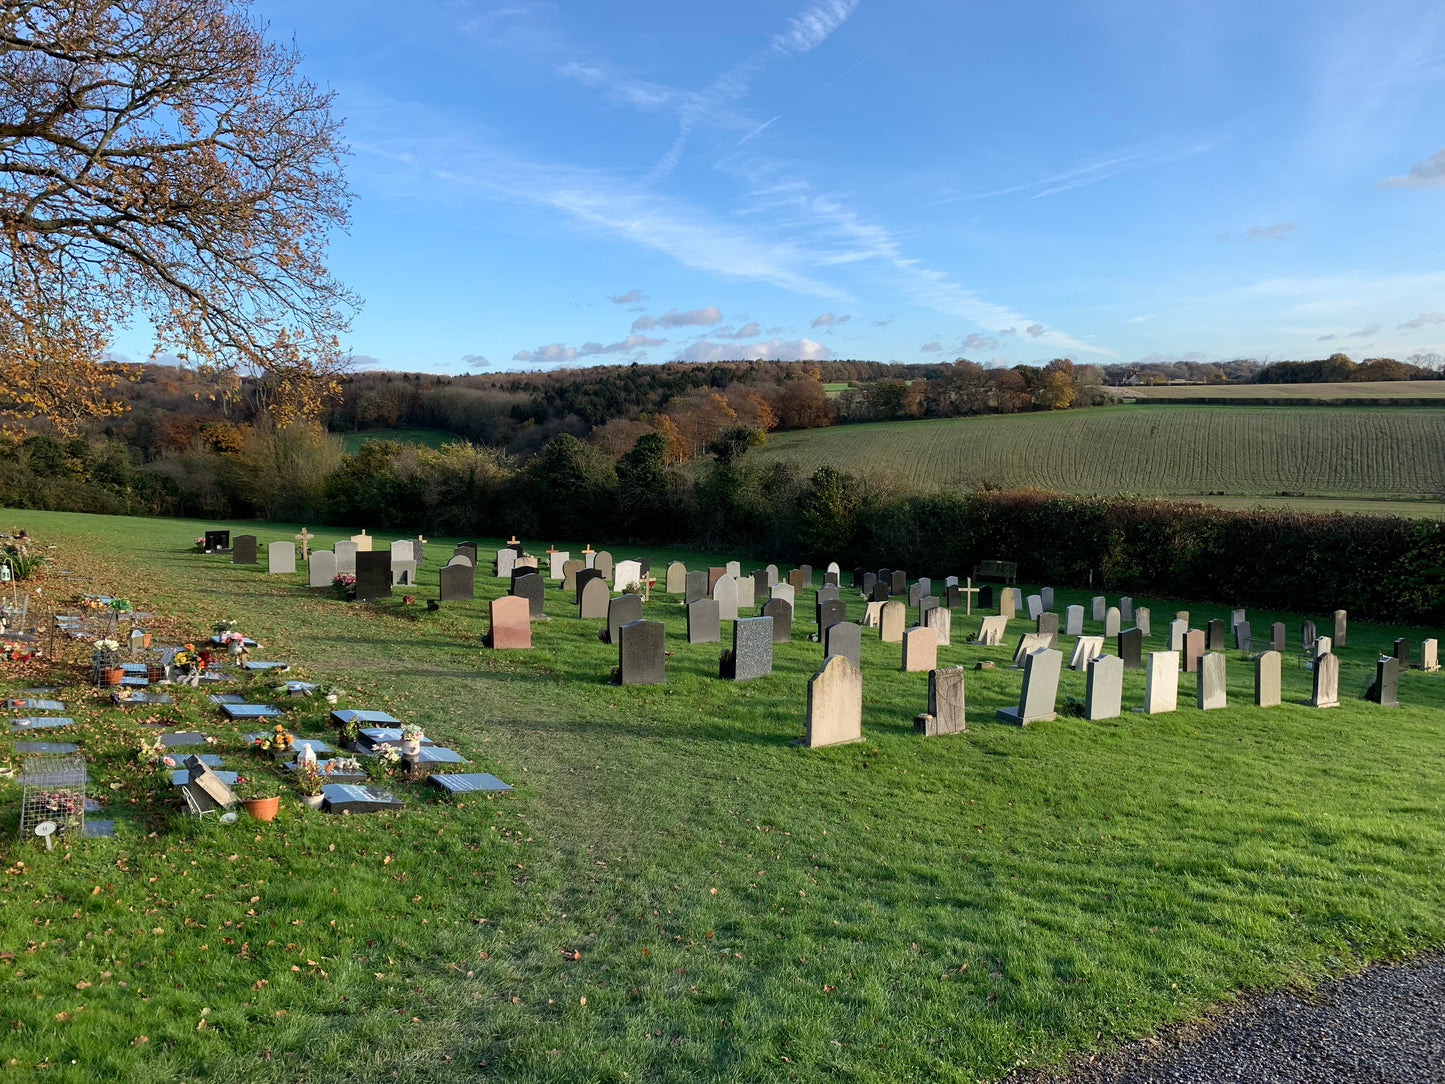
{"x":544,"y":183}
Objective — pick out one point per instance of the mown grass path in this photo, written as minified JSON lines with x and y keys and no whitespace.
{"x":730,"y":907}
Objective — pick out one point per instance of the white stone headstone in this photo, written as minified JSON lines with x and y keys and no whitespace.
{"x":555,"y":562}
{"x":784,"y":591}
{"x":1085,"y":648}
{"x":346,"y":558}
{"x":1035,"y":605}
{"x":321,"y":569}
{"x":625,"y":573}
{"x":281,"y":558}
{"x":1161,"y":682}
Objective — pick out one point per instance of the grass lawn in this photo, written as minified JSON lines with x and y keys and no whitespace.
{"x":1343,"y":390}
{"x":427,"y":438}
{"x":674,"y":892}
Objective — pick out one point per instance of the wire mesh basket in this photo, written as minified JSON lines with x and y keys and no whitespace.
{"x":53,"y":790}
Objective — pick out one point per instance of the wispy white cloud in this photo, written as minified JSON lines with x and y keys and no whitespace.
{"x":931,"y":347}
{"x":1426,"y":173}
{"x":475,"y":361}
{"x":561,"y":352}
{"x":750,"y":330}
{"x":809,"y":29}
{"x":704,"y":317}
{"x":1275,"y":231}
{"x":1364,"y":332}
{"x":829,"y":320}
{"x":1425,"y":319}
{"x":706,"y":350}
{"x":631,"y":297}
{"x":979,"y":342}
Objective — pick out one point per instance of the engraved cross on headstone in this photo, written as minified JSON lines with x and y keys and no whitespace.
{"x":305,"y":538}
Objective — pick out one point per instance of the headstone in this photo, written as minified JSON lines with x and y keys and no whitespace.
{"x":570,"y":569}
{"x":1266,"y":679}
{"x":872,"y":614}
{"x":625,"y":574}
{"x":1104,"y":690}
{"x":1177,"y":628}
{"x":1402,"y":652}
{"x":363,"y":542}
{"x":897,"y":582}
{"x":920,"y":650}
{"x":807,"y":571}
{"x":915,"y":593}
{"x":641,"y":659}
{"x":532,"y":588}
{"x":622,"y":610}
{"x":676,"y":582}
{"x":830,"y":612}
{"x":1237,"y":615}
{"x":761,"y":587}
{"x":467,"y":782}
{"x":281,"y":558}
{"x":1035,"y":606}
{"x":1326,"y":693}
{"x":780,"y":612}
{"x":1141,"y":620}
{"x":1193,"y":648}
{"x":1307,"y":634}
{"x":457,"y":583}
{"x":725,"y":593}
{"x":703,"y":622}
{"x":835,"y":704}
{"x":602,"y":562}
{"x":1161,"y":682}
{"x":733,"y":569}
{"x":1097,"y":606}
{"x":870,"y":580}
{"x":1181,"y":615}
{"x":985,"y":597}
{"x":207,"y":786}
{"x":945,"y":713}
{"x":1126,"y":608}
{"x":1048,"y":625}
{"x":583,"y":578}
{"x":506,"y":559}
{"x":1040,"y":688}
{"x":890,"y":624}
{"x":1210,"y":690}
{"x":345,"y":558}
{"x":885,"y":577}
{"x":991,"y":630}
{"x":1085,"y":648}
{"x":1074,"y":621}
{"x":832,"y":567}
{"x":373,"y":575}
{"x":1386,"y":689}
{"x":752,"y":654}
{"x":1131,"y":649}
{"x":771,"y":574}
{"x":1323,"y":646}
{"x":402,"y":550}
{"x":1111,"y":621}
{"x":462,"y":559}
{"x":1341,"y":624}
{"x":557,"y":564}
{"x":593,"y":599}
{"x":321,"y":569}
{"x":1242,"y":633}
{"x":1214,"y":635}
{"x":1430,"y":655}
{"x":830,"y":579}
{"x":1006,"y":607}
{"x":216,"y":541}
{"x":941,"y":622}
{"x":785,"y":592}
{"x":695,"y":586}
{"x":926,"y":605}
{"x":880,"y":592}
{"x":1046,"y":596}
{"x":243,"y":550}
{"x":825,"y":592}
{"x":844,"y":638}
{"x":511,"y":622}
{"x":1028,"y":642}
{"x":747,"y":592}
{"x":795,"y":579}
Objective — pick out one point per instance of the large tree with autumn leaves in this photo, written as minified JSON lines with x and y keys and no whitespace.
{"x":162,"y":160}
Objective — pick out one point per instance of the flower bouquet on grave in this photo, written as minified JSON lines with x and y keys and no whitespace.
{"x":15,"y":651}
{"x":309,"y":781}
{"x":344,"y":584}
{"x":348,"y":732}
{"x":278,"y":741}
{"x":411,"y":736}
{"x":119,"y":605}
{"x":150,"y":753}
{"x":105,"y":662}
{"x":234,"y":642}
{"x":225,"y":625}
{"x":201,"y":544}
{"x":259,"y":794}
{"x":387,"y":758}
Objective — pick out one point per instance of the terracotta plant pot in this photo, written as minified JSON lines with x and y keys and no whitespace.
{"x":145,"y":640}
{"x":263,"y":809}
{"x":111,"y":675}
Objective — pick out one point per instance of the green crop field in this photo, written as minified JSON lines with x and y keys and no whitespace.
{"x":427,"y":438}
{"x":674,"y":892}
{"x":1361,"y":453}
{"x":1344,"y":390}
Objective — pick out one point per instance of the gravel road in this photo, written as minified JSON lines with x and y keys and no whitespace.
{"x":1383,"y":1026}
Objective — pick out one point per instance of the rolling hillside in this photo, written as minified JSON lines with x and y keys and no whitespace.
{"x":1362,"y":453}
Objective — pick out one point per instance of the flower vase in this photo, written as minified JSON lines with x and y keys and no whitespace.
{"x":263,"y":809}
{"x":312,"y":801}
{"x":236,"y":647}
{"x":410,"y":747}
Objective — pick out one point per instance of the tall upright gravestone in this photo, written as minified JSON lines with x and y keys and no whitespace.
{"x":281,"y":558}
{"x":1266,"y":679}
{"x":780,"y":612}
{"x":373,"y":574}
{"x":844,"y":638}
{"x":321,"y":568}
{"x":703,"y":623}
{"x":457,"y":583}
{"x":1103,"y":695}
{"x":641,"y":659}
{"x":511,"y":623}
{"x":1326,"y":693}
{"x":243,"y":549}
{"x":1161,"y":682}
{"x":345,"y":558}
{"x":1040,"y":689}
{"x":945,"y":714}
{"x":752,"y":653}
{"x":835,"y":704}
{"x":592,"y":599}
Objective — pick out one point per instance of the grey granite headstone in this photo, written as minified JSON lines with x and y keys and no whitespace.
{"x":1278,"y":637}
{"x":403,"y":573}
{"x":898,"y":582}
{"x":844,"y":638}
{"x":354,"y":798}
{"x":281,"y":558}
{"x":1242,"y":635}
{"x":345,"y":552}
{"x":1131,"y":649}
{"x":468,"y":782}
{"x":1074,"y":621}
{"x":1046,"y":596}
{"x":695,"y":586}
{"x":641,"y":658}
{"x":1126,"y":608}
{"x":725,"y":593}
{"x":1098,"y":605}
{"x":1040,"y":688}
{"x":676,"y":582}
{"x":321,"y":568}
{"x":830,"y":612}
{"x":593,"y":598}
{"x":622,"y":610}
{"x":1386,"y":689}
{"x":1214,"y":635}
{"x":870,"y":580}
{"x":1034,"y":605}
{"x":915,"y":593}
{"x":1341,"y":621}
{"x":703,"y":622}
{"x":752,"y":655}
{"x":1211,"y":691}
{"x":1266,"y":679}
{"x":1104,"y":690}
{"x":373,"y":574}
{"x":1402,"y":651}
{"x":780,"y":612}
{"x":458,"y":583}
{"x":243,"y":550}
{"x":532,"y":588}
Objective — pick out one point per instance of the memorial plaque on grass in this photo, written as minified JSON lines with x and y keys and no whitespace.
{"x":437,"y":754}
{"x":752,"y":654}
{"x":1040,"y":689}
{"x":780,"y":612}
{"x":345,"y":552}
{"x":641,"y":659}
{"x":844,"y":638}
{"x":511,"y":623}
{"x":835,"y":704}
{"x":945,"y":704}
{"x":354,"y":798}
{"x":703,"y":622}
{"x":622,"y":610}
{"x":243,"y":550}
{"x":468,"y":782}
{"x":534,"y":590}
{"x":181,"y":739}
{"x":373,"y":575}
{"x":251,"y":711}
{"x":1104,"y":689}
{"x":362,"y":716}
{"x":40,"y":722}
{"x":281,"y":558}
{"x":45,"y":747}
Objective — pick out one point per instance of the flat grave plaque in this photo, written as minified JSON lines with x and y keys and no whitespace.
{"x":41,"y":722}
{"x":351,"y":798}
{"x":45,"y":747}
{"x":471,"y":781}
{"x":251,"y":711}
{"x":346,"y":715}
{"x":225,"y":698}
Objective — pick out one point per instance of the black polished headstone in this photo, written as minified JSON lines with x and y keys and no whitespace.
{"x":469,"y":549}
{"x":217,"y":541}
{"x":985,"y":597}
{"x":373,"y":574}
{"x":641,"y":659}
{"x":457,"y":582}
{"x":858,"y":577}
{"x":243,"y":550}
{"x":870,"y":581}
{"x":953,"y":597}
{"x":879,"y":592}
{"x":1214,"y":635}
{"x":1131,"y":648}
{"x":353,"y":798}
{"x":1402,"y":652}
{"x":898,"y":584}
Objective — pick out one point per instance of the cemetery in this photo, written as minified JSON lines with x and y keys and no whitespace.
{"x":514,"y":808}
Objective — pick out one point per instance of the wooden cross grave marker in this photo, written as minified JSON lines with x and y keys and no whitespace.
{"x":305,"y":538}
{"x":968,"y":591}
